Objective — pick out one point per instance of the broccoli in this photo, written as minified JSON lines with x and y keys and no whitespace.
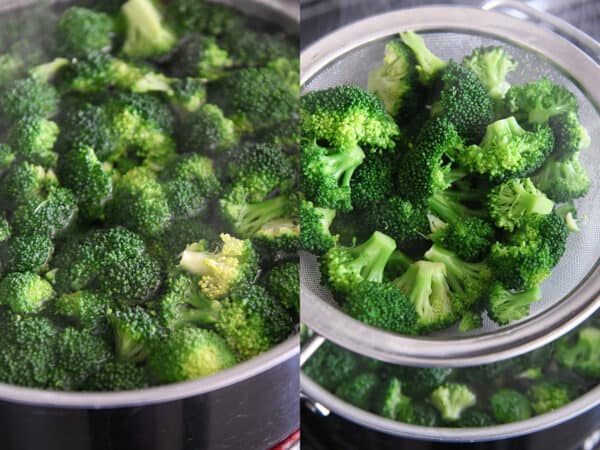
{"x":491,"y":65}
{"x":402,"y":220}
{"x":345,"y":267}
{"x":209,"y":131}
{"x":580,"y":350}
{"x":420,"y":381}
{"x":331,"y":365}
{"x":33,"y":138}
{"x":549,"y":230}
{"x":392,"y":403}
{"x":521,"y":266}
{"x":428,"y":65}
{"x":249,"y":48}
{"x":507,"y":150}
{"x":371,"y":182}
{"x":86,"y":309}
{"x":186,"y":95}
{"x":423,"y":415}
{"x":197,"y":168}
{"x":425,"y":284}
{"x":505,"y":306}
{"x":48,"y":71}
{"x":201,"y":56}
{"x":283,"y":283}
{"x":347,"y":117}
{"x":134,"y":329}
{"x":326,"y":176}
{"x":452,"y":399}
{"x":315,"y":236}
{"x":539,"y":100}
{"x":570,"y":136}
{"x":509,"y":405}
{"x":7,"y":157}
{"x":5,"y":230}
{"x":252,"y":321}
{"x":398,"y":263}
{"x":471,"y":320}
{"x":178,"y":235}
{"x":203,"y":17}
{"x":512,"y":202}
{"x":563,"y":180}
{"x":25,"y":292}
{"x":11,"y":67}
{"x":146,"y":34}
{"x":184,"y":198}
{"x":28,"y":97}
{"x":285,"y":135}
{"x":469,"y":237}
{"x":24,"y":182}
{"x":233,"y":265}
{"x":360,"y":390}
{"x":82,"y":30}
{"x":547,"y":396}
{"x":117,"y":375}
{"x":475,"y":418}
{"x":28,"y":253}
{"x":382,"y":305}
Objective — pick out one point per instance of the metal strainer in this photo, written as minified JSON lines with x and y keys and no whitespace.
{"x":571,"y":294}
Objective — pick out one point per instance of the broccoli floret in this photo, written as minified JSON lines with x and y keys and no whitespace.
{"x":570,"y":136}
{"x":359,"y":391}
{"x":471,"y":320}
{"x":28,"y":253}
{"x":326,"y":176}
{"x":404,"y":221}
{"x":507,"y":150}
{"x":449,"y":206}
{"x":33,"y":139}
{"x":515,"y":200}
{"x":469,"y":237}
{"x":132,"y":280}
{"x":116,"y":375}
{"x":563,"y":180}
{"x":283,"y":283}
{"x":315,"y":236}
{"x":82,"y":30}
{"x":197,"y":168}
{"x":252,"y":321}
{"x":25,"y":292}
{"x":505,"y":306}
{"x":425,"y":284}
{"x":382,"y":305}
{"x":549,"y":230}
{"x":203,"y":17}
{"x":548,"y":396}
{"x":48,"y":71}
{"x":580,"y":351}
{"x":233,"y":265}
{"x":428,"y":65}
{"x":201,"y":56}
{"x":23,"y":182}
{"x":509,"y":405}
{"x":452,"y":399}
{"x":539,"y":100}
{"x":184,"y":198}
{"x":285,"y":135}
{"x":208,"y":131}
{"x":391,"y":403}
{"x":11,"y":67}
{"x":249,"y":48}
{"x":345,"y":267}
{"x":419,"y":382}
{"x":86,"y":309}
{"x":186,"y":95}
{"x":146,"y":34}
{"x":475,"y":418}
{"x":372,"y":181}
{"x":331,"y":365}
{"x":347,"y":117}
{"x":491,"y":65}
{"x":5,"y":229}
{"x":521,"y":266}
{"x":7,"y":157}
{"x":179,"y":234}
{"x":28,"y":97}
{"x":134,"y":330}
{"x":89,"y":179}
{"x":188,"y":353}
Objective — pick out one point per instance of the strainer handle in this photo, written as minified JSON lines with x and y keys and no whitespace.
{"x":310,"y":347}
{"x":583,"y":40}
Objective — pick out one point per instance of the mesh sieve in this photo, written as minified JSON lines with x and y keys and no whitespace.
{"x":555,"y":313}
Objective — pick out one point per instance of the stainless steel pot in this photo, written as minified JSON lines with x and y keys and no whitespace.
{"x":252,"y":406}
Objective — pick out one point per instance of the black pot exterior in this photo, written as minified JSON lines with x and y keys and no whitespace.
{"x":254,"y":414}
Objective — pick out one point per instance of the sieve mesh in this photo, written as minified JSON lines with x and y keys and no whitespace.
{"x":583,"y":248}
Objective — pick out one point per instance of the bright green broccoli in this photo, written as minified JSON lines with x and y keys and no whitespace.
{"x":82,"y":30}
{"x":580,"y":351}
{"x":452,"y":399}
{"x":522,"y":266}
{"x":315,"y":236}
{"x":146,"y":33}
{"x":491,"y":65}
{"x":563,"y":180}
{"x":428,"y":65}
{"x":402,"y":220}
{"x":470,"y":320}
{"x":250,"y":48}
{"x":505,"y":306}
{"x":390,"y":402}
{"x":7,"y":157}
{"x":25,"y":292}
{"x":469,"y":237}
{"x":33,"y":139}
{"x":5,"y":230}
{"x":509,"y":405}
{"x":549,"y":230}
{"x":548,"y":396}
{"x":186,"y":16}
{"x":27,"y":253}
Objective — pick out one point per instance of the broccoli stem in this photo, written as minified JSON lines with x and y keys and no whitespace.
{"x":534,"y":203}
{"x":372,"y":256}
{"x":342,"y":165}
{"x":428,"y":63}
{"x":254,"y":216}
{"x":444,"y":205}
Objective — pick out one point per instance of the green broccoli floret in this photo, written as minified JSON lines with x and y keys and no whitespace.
{"x":23,"y":182}
{"x":208,"y":131}
{"x":48,"y":71}
{"x":360,"y":390}
{"x":179,"y":234}
{"x":315,"y":236}
{"x":509,"y":406}
{"x":186,"y":95}
{"x":404,"y":221}
{"x":234,"y":264}
{"x":132,"y":280}
{"x":184,"y":198}
{"x":283,"y":283}
{"x":146,"y":34}
{"x":539,"y":100}
{"x":475,"y":418}
{"x":470,"y":320}
{"x":505,"y":306}
{"x":33,"y":139}
{"x":563,"y":180}
{"x":5,"y":229}
{"x":252,"y":321}
{"x":203,"y":17}
{"x":28,"y":97}
{"x":450,"y":206}
{"x":419,"y":382}
{"x":86,"y":309}
{"x":285,"y":135}
{"x":116,"y":375}
{"x":391,"y":403}
{"x":507,"y":150}
{"x":452,"y":399}
{"x":25,"y":292}
{"x":27,"y":253}
{"x":382,"y":305}
{"x":491,"y":65}
{"x":548,"y":396}
{"x":82,"y":30}
{"x":515,"y":200}
{"x":250,"y":48}
{"x":570,"y":136}
{"x":425,"y":284}
{"x":11,"y":67}
{"x":197,"y":168}
{"x":134,"y":330}
{"x":549,"y":230}
{"x":7,"y":157}
{"x":521,"y":266}
{"x":469,"y":237}
{"x":331,"y":365}
{"x":347,"y":117}
{"x":188,"y":353}
{"x":345,"y":267}
{"x":580,"y":351}
{"x":201,"y":56}
{"x":326,"y":176}
{"x":372,"y":181}
{"x":428,"y":65}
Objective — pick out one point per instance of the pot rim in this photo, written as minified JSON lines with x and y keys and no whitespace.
{"x":508,"y":341}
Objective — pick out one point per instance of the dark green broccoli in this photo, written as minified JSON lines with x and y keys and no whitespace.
{"x":146,"y":33}
{"x":250,"y":48}
{"x":507,"y":150}
{"x":187,"y":16}
{"x":548,"y":396}
{"x":398,"y":263}
{"x":580,"y":351}
{"x":85,"y":309}
{"x":382,"y":305}
{"x":475,"y":418}
{"x":11,"y":67}
{"x":201,"y":56}
{"x":522,"y":266}
{"x":24,"y":182}
{"x":5,"y":230}
{"x":491,"y":65}
{"x":33,"y":139}
{"x":25,"y":292}
{"x":186,"y":95}
{"x":331,"y":365}
{"x":28,"y":97}
{"x":28,"y":253}
{"x":283,"y":283}
{"x":184,"y":198}
{"x":360,"y":390}
{"x":421,"y":381}
{"x":197,"y":168}
{"x":285,"y":135}
{"x":402,"y":220}
{"x":179,"y":234}
{"x":509,"y":405}
{"x":452,"y":399}
{"x":424,"y":415}
{"x":390,"y":402}
{"x":117,"y":375}
{"x":539,"y":100}
{"x":563,"y":180}
{"x":470,"y":320}
{"x":514,"y":201}
{"x":372,"y":181}
{"x":134,"y":329}
{"x":428,"y":65}
{"x":570,"y":136}
{"x":208,"y":131}
{"x":505,"y":306}
{"x":469,"y":237}
{"x":82,"y":30}
{"x":7,"y":157}
{"x":315,"y":236}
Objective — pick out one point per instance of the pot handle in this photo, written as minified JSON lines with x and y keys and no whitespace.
{"x":581,"y":39}
{"x":310,"y":347}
